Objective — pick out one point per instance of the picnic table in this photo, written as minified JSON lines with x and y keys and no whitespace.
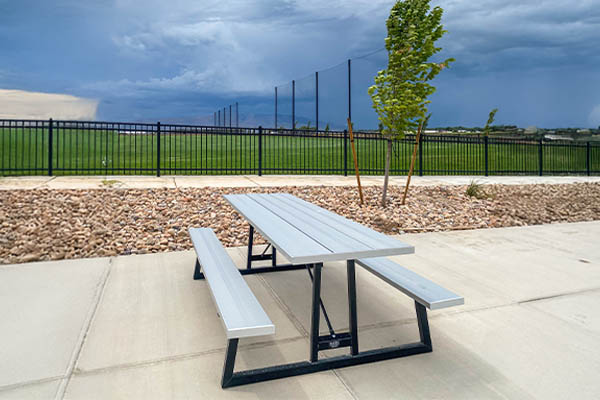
{"x":308,"y":236}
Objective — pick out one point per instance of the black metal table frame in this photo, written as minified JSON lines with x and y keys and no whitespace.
{"x":318,"y":342}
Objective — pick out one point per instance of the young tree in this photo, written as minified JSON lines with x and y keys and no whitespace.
{"x":490,"y":121}
{"x":400,"y":92}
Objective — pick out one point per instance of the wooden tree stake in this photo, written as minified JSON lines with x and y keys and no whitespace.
{"x":362,"y":201}
{"x":412,"y":161}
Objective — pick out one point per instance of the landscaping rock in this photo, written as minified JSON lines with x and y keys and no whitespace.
{"x":55,"y":224}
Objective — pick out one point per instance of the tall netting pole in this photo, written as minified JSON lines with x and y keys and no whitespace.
{"x":349,"y":91}
{"x":276,"y":108}
{"x":293,"y":105}
{"x":237,"y":115}
{"x":230,"y":124}
{"x":215,"y":120}
{"x":219,"y":118}
{"x":317,"y":101}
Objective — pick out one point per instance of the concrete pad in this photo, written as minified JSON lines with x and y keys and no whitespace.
{"x":23,"y":182}
{"x":451,"y":371}
{"x":149,"y":182}
{"x":200,"y":377}
{"x":45,"y":308}
{"x":507,"y":260}
{"x":41,"y":391}
{"x":543,"y":355}
{"x":75,"y":182}
{"x":579,"y":310}
{"x":152,"y":309}
{"x":213,"y":181}
{"x":506,"y":352}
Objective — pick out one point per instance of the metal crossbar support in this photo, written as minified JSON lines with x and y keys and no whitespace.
{"x":231,"y":379}
{"x":249,"y":270}
{"x":331,"y":331}
{"x":262,"y":256}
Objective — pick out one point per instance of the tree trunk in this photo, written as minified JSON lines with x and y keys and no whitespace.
{"x":388,"y":156}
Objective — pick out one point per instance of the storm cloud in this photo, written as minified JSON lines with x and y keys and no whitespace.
{"x":147,"y":60}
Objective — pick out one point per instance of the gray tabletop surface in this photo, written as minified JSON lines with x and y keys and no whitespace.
{"x":305,"y":233}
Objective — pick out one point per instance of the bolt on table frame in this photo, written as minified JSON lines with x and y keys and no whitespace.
{"x":318,"y":342}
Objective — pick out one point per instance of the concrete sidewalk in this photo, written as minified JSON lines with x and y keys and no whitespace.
{"x":139,"y":327}
{"x":137,"y":182}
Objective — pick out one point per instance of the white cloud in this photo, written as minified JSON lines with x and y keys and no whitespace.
{"x":19,"y":104}
{"x":594,"y":117}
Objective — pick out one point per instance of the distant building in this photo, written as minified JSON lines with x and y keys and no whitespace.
{"x":557,"y":137}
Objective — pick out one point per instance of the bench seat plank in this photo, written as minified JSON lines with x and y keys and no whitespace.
{"x":240,"y":311}
{"x":422,"y":290}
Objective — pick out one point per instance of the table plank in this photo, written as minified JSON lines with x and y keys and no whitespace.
{"x":306,"y":233}
{"x":331,"y":239}
{"x":368,"y":236}
{"x":290,"y":241}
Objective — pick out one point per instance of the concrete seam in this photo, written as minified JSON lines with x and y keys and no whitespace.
{"x":183,"y":357}
{"x":345,"y":384}
{"x":30,"y":383}
{"x":554,"y":296}
{"x":252,"y":180}
{"x":62,"y":388}
{"x":408,"y":321}
{"x":45,"y":182}
{"x":297,"y":324}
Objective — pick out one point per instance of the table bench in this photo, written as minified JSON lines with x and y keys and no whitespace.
{"x":241,"y":313}
{"x":422,"y":290}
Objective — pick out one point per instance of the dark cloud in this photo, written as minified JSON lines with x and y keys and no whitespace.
{"x":535,"y":60}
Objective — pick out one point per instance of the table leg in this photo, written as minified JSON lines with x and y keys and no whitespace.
{"x":250,"y":242}
{"x":353,"y":323}
{"x":315,"y":314}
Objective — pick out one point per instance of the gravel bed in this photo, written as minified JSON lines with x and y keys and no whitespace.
{"x":63,"y":224}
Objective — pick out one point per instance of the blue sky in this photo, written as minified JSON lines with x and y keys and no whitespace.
{"x":537,"y":61}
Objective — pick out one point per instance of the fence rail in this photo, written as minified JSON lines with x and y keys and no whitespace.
{"x":36,"y":147}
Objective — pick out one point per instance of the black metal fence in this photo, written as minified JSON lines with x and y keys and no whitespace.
{"x":35,"y":147}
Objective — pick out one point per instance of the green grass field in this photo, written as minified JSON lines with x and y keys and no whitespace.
{"x":25,"y":151}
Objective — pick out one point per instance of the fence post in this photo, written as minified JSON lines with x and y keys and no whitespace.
{"x":587,"y":158}
{"x":345,"y":152}
{"x":485,"y":141}
{"x":260,"y":135}
{"x":421,"y":154}
{"x":50,"y":147}
{"x":541,"y":155}
{"x":158,"y":149}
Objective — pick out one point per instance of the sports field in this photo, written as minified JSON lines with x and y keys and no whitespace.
{"x":25,"y":151}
